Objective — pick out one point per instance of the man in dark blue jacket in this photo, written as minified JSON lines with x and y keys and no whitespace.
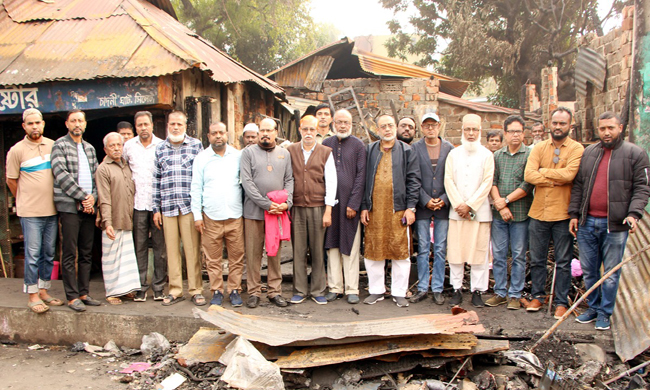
{"x":431,"y":152}
{"x":609,"y":194}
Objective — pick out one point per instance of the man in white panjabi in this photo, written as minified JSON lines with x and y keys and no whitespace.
{"x":469,"y":172}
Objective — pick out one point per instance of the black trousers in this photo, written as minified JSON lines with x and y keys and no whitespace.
{"x":77,"y":236}
{"x":143,"y":226}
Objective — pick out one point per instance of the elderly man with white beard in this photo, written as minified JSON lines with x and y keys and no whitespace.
{"x":469,"y":171}
{"x":172,"y":179}
{"x":343,"y":238}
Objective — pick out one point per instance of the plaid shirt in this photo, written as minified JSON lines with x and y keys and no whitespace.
{"x":65,"y":168}
{"x":172,"y":176}
{"x":508,"y":176}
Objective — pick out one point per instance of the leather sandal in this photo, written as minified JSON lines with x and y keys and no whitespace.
{"x":38,"y":307}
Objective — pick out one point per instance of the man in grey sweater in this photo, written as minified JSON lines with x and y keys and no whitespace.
{"x":264,"y":168}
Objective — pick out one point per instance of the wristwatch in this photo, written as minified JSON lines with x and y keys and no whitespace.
{"x":507,"y":200}
{"x":412,"y":209}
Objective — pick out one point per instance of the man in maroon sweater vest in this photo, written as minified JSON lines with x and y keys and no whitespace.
{"x":314,"y":193}
{"x":607,"y":199}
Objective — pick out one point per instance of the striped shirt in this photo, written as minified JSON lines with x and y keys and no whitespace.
{"x":172,"y":176}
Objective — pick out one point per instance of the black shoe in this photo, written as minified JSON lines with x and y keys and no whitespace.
{"x":420,"y":296}
{"x":477,"y":301}
{"x":88,"y":301}
{"x":158,"y":296}
{"x":456,"y":298}
{"x":438,"y":298}
{"x":140,"y":296}
{"x":279,"y":301}
{"x":253,"y":301}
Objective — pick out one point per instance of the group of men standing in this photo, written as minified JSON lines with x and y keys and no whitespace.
{"x":317,"y":193}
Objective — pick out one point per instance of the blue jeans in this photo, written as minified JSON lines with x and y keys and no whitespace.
{"x":598,"y":247}
{"x":40,"y":245}
{"x":439,"y":253}
{"x":513,"y":235}
{"x":540,"y":233}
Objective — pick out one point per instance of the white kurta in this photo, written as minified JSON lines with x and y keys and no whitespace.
{"x":468,"y":179}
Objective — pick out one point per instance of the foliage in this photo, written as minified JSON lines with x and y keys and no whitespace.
{"x":261,"y":34}
{"x":509,"y":40}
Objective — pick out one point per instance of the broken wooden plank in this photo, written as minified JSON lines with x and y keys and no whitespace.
{"x":283,"y":331}
{"x":206,"y":345}
{"x":482,"y":346}
{"x":326,"y":355}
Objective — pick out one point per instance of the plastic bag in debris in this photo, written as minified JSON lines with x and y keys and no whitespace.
{"x":526,"y":360}
{"x":247,"y":369}
{"x":154,"y":342}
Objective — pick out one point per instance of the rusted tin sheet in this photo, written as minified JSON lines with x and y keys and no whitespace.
{"x":82,"y":40}
{"x":484,"y":107}
{"x":631,"y":319}
{"x":334,"y":354}
{"x":591,"y":66}
{"x":320,"y":51}
{"x":320,"y":67}
{"x":482,"y":347}
{"x":283,"y":331}
{"x":207,"y":345}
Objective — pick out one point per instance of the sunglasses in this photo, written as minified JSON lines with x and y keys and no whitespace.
{"x":556,"y":158}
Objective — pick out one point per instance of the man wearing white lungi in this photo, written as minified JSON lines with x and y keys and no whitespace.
{"x":116,"y":192}
{"x":469,"y":171}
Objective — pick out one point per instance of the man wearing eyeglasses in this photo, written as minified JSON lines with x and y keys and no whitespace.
{"x":469,"y":173}
{"x":343,"y":237}
{"x":551,"y":168}
{"x":406,"y":130}
{"x":433,"y":203}
{"x":512,"y":199}
{"x":608,"y":197}
{"x":387,"y":211}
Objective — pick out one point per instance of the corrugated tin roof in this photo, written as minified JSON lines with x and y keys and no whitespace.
{"x":631,"y":319}
{"x":285,"y":331}
{"x":81,"y":40}
{"x":369,"y":63}
{"x":484,"y":107}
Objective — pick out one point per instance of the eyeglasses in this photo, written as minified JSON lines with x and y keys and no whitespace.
{"x":516,"y":132}
{"x":429,"y":126}
{"x":556,"y":159}
{"x":387,"y":126}
{"x":344,"y":123}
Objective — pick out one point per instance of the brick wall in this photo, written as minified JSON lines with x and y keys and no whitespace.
{"x":616,"y":46}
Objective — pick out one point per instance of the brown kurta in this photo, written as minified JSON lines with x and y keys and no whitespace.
{"x":386,"y":237}
{"x":116,"y":191}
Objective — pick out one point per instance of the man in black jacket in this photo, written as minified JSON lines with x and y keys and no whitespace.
{"x":387,"y":209}
{"x":609,"y":194}
{"x":431,"y":152}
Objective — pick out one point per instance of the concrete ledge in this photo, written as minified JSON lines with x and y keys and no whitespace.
{"x":67,"y":327}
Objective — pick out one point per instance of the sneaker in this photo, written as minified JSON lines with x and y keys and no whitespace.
{"x":158,"y":296}
{"x":373,"y":298}
{"x":588,"y":316}
{"x":332,"y":296}
{"x":235,"y":299}
{"x":534,"y":305}
{"x":420,"y":296}
{"x":353,"y":299}
{"x":140,"y":296}
{"x":456,"y":298}
{"x":297,"y":299}
{"x":438,"y":298}
{"x":602,"y":322}
{"x":477,"y":301}
{"x":559,"y":312}
{"x":513,"y":304}
{"x":320,"y":300}
{"x":217,"y":298}
{"x":401,"y":301}
{"x":496,"y":300}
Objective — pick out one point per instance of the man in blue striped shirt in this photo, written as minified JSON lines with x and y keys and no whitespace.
{"x":172,"y":179}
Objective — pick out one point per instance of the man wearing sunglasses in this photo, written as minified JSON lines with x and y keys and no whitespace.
{"x":551,"y":168}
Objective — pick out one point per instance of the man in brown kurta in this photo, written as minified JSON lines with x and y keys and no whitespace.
{"x":388,"y":208}
{"x":115,"y":189}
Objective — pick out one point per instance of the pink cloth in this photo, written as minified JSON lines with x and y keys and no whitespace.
{"x":276,"y":227}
